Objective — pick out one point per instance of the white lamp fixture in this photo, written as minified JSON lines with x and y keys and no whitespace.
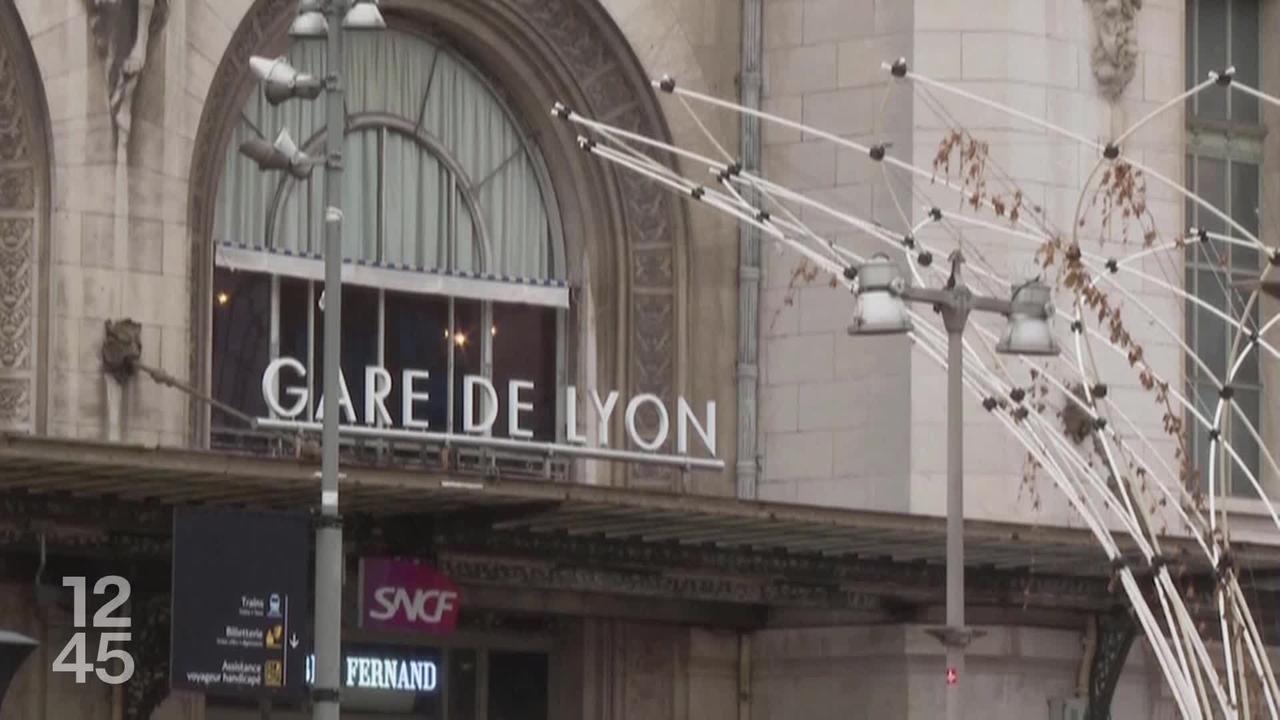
{"x":280,"y":81}
{"x":1029,"y":331}
{"x":282,"y":155}
{"x":880,"y":309}
{"x":364,"y":15}
{"x":310,"y":22}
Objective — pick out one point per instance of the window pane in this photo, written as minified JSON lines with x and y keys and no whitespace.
{"x":241,"y":342}
{"x":1211,"y":49}
{"x":524,"y":348}
{"x":462,"y":685}
{"x":416,"y":213}
{"x":1210,"y":342}
{"x":1244,"y":210}
{"x":468,"y":248}
{"x":1248,"y":373}
{"x":416,"y":328}
{"x":295,"y":331}
{"x":467,"y":358}
{"x":359,"y":343}
{"x":1244,"y":55}
{"x":361,"y":180}
{"x":242,"y":333}
{"x":1203,"y":396}
{"x":1211,"y":185}
{"x":1243,"y":443}
{"x":517,"y":686}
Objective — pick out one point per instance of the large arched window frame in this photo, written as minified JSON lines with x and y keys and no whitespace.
{"x":470,"y":255}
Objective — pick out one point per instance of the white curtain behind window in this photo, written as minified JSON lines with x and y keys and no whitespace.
{"x":402,"y":205}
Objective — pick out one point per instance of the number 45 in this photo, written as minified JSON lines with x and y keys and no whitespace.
{"x":81,"y":668}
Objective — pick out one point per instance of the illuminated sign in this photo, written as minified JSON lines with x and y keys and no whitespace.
{"x":406,"y":595}
{"x":384,"y":672}
{"x":481,"y":405}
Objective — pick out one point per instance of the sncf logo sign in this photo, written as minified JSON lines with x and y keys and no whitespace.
{"x":406,"y":595}
{"x":427,"y":606}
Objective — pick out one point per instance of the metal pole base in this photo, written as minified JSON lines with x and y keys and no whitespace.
{"x":955,"y":637}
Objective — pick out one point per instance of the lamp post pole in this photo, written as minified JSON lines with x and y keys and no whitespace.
{"x":882,"y":293}
{"x":956,"y":636}
{"x":318,"y":19}
{"x":328,"y":590}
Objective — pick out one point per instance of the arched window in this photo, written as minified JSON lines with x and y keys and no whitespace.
{"x":453,"y":262}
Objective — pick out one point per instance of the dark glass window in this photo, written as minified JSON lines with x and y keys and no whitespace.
{"x":416,"y":338}
{"x":359,"y":345}
{"x":463,"y":679}
{"x":517,"y":686}
{"x":1222,"y":33}
{"x":241,"y":341}
{"x":1214,"y":269}
{"x":468,"y":353}
{"x":438,"y":335}
{"x":524,"y":348}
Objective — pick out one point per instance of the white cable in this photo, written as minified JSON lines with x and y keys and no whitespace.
{"x":731,"y":210}
{"x":1175,"y":100}
{"x":998,"y":106}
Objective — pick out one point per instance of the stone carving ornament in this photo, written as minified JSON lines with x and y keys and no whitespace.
{"x":21,"y":204}
{"x":121,"y":31}
{"x":1114,"y":55}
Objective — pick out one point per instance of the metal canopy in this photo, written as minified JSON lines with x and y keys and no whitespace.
{"x":63,"y":468}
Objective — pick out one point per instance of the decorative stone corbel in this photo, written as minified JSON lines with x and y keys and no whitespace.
{"x":1114,"y":55}
{"x":121,"y":350}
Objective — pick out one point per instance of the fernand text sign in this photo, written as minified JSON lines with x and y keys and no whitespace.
{"x":287,"y":396}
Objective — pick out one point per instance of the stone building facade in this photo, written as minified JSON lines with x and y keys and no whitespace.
{"x":117,"y":122}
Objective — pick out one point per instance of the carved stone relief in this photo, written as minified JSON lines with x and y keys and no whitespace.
{"x":15,"y":293}
{"x":1114,"y":56}
{"x":584,"y":41}
{"x":21,"y":202}
{"x":122,"y":31}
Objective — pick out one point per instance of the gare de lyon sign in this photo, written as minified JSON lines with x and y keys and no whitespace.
{"x":480,"y":408}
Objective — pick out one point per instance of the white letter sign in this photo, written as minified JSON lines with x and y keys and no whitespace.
{"x":469,"y":384}
{"x":269,"y":388}
{"x":514,"y":408}
{"x":377,"y":386}
{"x":664,"y":422}
{"x":408,"y":396}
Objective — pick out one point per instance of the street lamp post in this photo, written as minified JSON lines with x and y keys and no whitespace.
{"x":881,"y":311}
{"x":322,"y":19}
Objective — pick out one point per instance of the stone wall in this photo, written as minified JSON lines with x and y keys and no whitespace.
{"x":617,"y":670}
{"x":898,"y":673}
{"x":697,"y":42}
{"x":119,"y":245}
{"x":861,"y":422}
{"x":833,"y":408}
